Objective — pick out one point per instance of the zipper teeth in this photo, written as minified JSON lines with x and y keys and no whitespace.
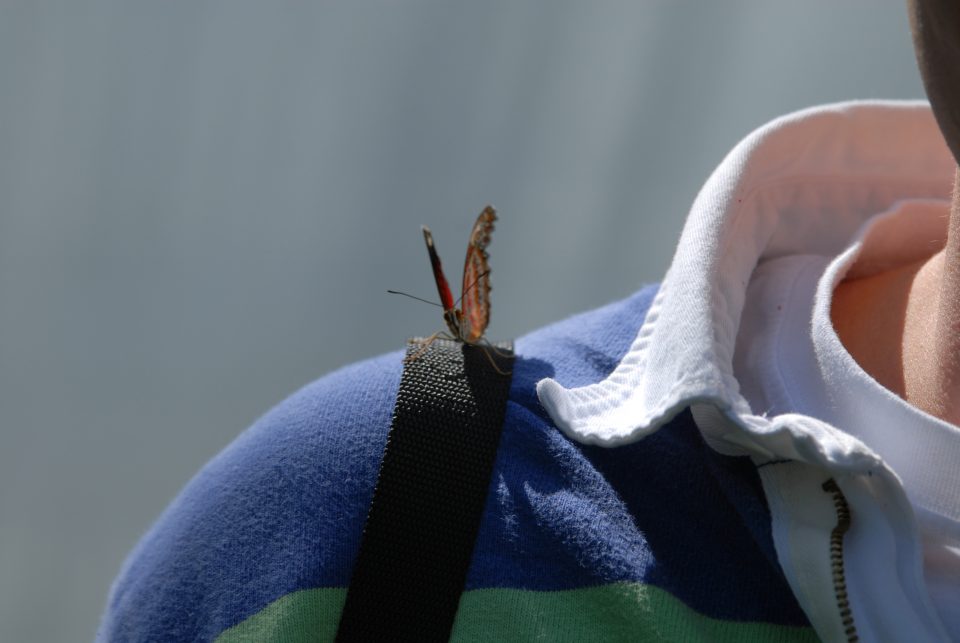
{"x":836,"y":559}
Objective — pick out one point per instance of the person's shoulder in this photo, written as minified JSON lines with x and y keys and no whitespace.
{"x":268,"y":507}
{"x":281,"y":509}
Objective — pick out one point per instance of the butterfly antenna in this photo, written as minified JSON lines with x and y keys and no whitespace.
{"x":468,"y":288}
{"x":426,"y":301}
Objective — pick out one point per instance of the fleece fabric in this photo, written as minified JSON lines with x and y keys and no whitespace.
{"x":663,"y":539}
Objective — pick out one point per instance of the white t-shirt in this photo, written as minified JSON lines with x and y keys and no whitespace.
{"x":789,"y":359}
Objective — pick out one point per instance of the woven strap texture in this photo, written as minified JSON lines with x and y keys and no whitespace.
{"x":430,"y":494}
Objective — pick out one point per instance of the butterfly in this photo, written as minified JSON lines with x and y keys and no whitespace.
{"x":467,"y":323}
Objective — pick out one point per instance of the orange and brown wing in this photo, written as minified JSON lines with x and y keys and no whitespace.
{"x":475,"y":296}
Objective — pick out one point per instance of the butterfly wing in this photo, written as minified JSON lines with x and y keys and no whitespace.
{"x":475,"y":296}
{"x":446,"y":298}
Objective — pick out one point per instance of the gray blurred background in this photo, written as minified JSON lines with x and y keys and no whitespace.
{"x":202,"y":205}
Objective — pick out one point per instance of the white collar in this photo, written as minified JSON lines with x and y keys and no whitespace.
{"x":805,"y":183}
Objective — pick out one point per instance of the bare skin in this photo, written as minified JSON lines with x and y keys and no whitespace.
{"x":903,"y":326}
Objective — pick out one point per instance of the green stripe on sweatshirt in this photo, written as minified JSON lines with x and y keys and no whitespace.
{"x":615,"y":612}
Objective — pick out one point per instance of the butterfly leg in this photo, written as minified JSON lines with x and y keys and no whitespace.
{"x":487,"y":345}
{"x":424,"y":345}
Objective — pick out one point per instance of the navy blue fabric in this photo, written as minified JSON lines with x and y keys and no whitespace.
{"x":282,"y":508}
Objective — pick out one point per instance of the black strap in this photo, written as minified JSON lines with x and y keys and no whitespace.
{"x":430,"y":494}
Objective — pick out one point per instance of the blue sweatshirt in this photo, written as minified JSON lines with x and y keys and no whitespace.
{"x":662,"y":539}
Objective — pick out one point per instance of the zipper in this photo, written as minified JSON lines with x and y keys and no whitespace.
{"x":836,"y":559}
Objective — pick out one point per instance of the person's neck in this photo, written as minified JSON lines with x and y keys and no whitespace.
{"x":903,"y":326}
{"x":931,"y":334}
